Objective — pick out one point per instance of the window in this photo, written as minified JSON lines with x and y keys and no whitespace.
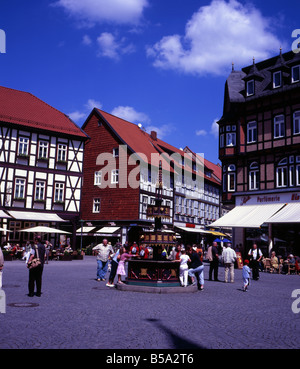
{"x":222,"y":140}
{"x":276,"y":79}
{"x":43,"y":150}
{"x":116,"y":152}
{"x":296,"y":74}
{"x":19,"y":188}
{"x":23,"y":146}
{"x":251,"y":132}
{"x":250,"y":88}
{"x":230,"y":139}
{"x":115,"y":176}
{"x":282,"y":173}
{"x":254,"y":176}
{"x":40,"y":190}
{"x":96,"y":205}
{"x":231,"y":178}
{"x":98,"y":178}
{"x":62,"y":152}
{"x":297,"y":175}
{"x":279,"y":127}
{"x":296,"y":119}
{"x":59,"y":192}
{"x":15,"y":228}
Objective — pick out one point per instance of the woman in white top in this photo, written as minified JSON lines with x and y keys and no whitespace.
{"x":183,"y":269}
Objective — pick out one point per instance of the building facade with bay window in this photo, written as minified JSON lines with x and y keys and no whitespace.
{"x":259,"y":146}
{"x":41,"y":163}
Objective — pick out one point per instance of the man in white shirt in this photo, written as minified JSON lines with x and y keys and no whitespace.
{"x":229,"y":258}
{"x":255,"y":257}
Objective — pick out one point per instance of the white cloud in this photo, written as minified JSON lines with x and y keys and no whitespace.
{"x":162,"y":131}
{"x":86,"y":40}
{"x":99,"y":11}
{"x":201,"y":132}
{"x":112,"y":48}
{"x":215,"y":36}
{"x":79,"y":116}
{"x":214,"y":129}
{"x":130,"y":114}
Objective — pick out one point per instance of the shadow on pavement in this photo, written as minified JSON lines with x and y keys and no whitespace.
{"x":178,"y":342}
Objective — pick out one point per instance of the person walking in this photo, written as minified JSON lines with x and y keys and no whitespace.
{"x":196,"y":268}
{"x":104,"y":250}
{"x":35,"y":274}
{"x":229,"y":258}
{"x":1,"y":266}
{"x":114,"y":266}
{"x":255,"y":255}
{"x":213,"y":256}
{"x":246,"y":275}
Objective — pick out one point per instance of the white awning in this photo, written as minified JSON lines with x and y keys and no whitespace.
{"x":108,"y":230}
{"x":85,"y":230}
{"x":248,"y":216}
{"x":193,"y":230}
{"x":289,"y":214}
{"x":34,"y":216}
{"x":3,"y":214}
{"x":42,"y":229}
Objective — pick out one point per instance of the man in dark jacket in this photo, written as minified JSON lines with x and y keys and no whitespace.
{"x":214,"y":263}
{"x":35,"y":274}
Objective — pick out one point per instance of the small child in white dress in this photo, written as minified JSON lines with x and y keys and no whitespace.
{"x":184,"y":269}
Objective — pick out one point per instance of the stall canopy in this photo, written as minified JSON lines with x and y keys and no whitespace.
{"x":194,"y":230}
{"x":85,"y":230}
{"x":3,"y":214}
{"x":35,"y":216}
{"x":289,"y":214}
{"x":248,"y":216}
{"x":41,"y":229}
{"x":108,"y":230}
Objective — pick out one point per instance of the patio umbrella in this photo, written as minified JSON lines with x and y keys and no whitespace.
{"x":4,"y":230}
{"x":226,"y":240}
{"x":42,"y":229}
{"x":217,"y":240}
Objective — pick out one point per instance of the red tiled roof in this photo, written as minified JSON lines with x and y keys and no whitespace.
{"x":140,"y":141}
{"x":24,"y":109}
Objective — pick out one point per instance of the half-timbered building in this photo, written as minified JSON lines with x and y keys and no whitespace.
{"x":120,"y":179}
{"x":41,"y":164}
{"x":259,"y":146}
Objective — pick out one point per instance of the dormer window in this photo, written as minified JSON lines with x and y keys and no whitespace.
{"x":296,"y":74}
{"x":277,"y":79}
{"x":250,"y":87}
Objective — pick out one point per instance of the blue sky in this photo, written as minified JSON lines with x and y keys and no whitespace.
{"x":161,"y":63}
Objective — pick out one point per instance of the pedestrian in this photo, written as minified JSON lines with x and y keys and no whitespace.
{"x":255,"y":255}
{"x":104,"y":250}
{"x":196,"y":269}
{"x":246,"y":275}
{"x":1,"y":266}
{"x":183,"y":268}
{"x":48,"y":247}
{"x":229,"y":258}
{"x":113,"y":270}
{"x":35,"y":274}
{"x":213,"y":261}
{"x":124,"y":256}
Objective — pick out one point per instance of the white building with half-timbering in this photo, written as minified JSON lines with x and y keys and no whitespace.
{"x":41,"y":164}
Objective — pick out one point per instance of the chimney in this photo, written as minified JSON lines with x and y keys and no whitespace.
{"x":153,"y":135}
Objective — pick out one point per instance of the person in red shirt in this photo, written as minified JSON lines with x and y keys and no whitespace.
{"x":144,"y":252}
{"x":134,"y":249}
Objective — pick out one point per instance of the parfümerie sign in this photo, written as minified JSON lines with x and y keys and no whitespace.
{"x":275,"y":198}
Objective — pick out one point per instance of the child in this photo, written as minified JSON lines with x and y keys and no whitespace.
{"x":246,"y":275}
{"x":183,"y":269}
{"x":121,"y":266}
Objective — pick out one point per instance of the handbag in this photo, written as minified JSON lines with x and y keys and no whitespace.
{"x":36,"y":261}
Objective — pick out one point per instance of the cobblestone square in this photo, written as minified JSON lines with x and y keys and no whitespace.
{"x":77,"y":312}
